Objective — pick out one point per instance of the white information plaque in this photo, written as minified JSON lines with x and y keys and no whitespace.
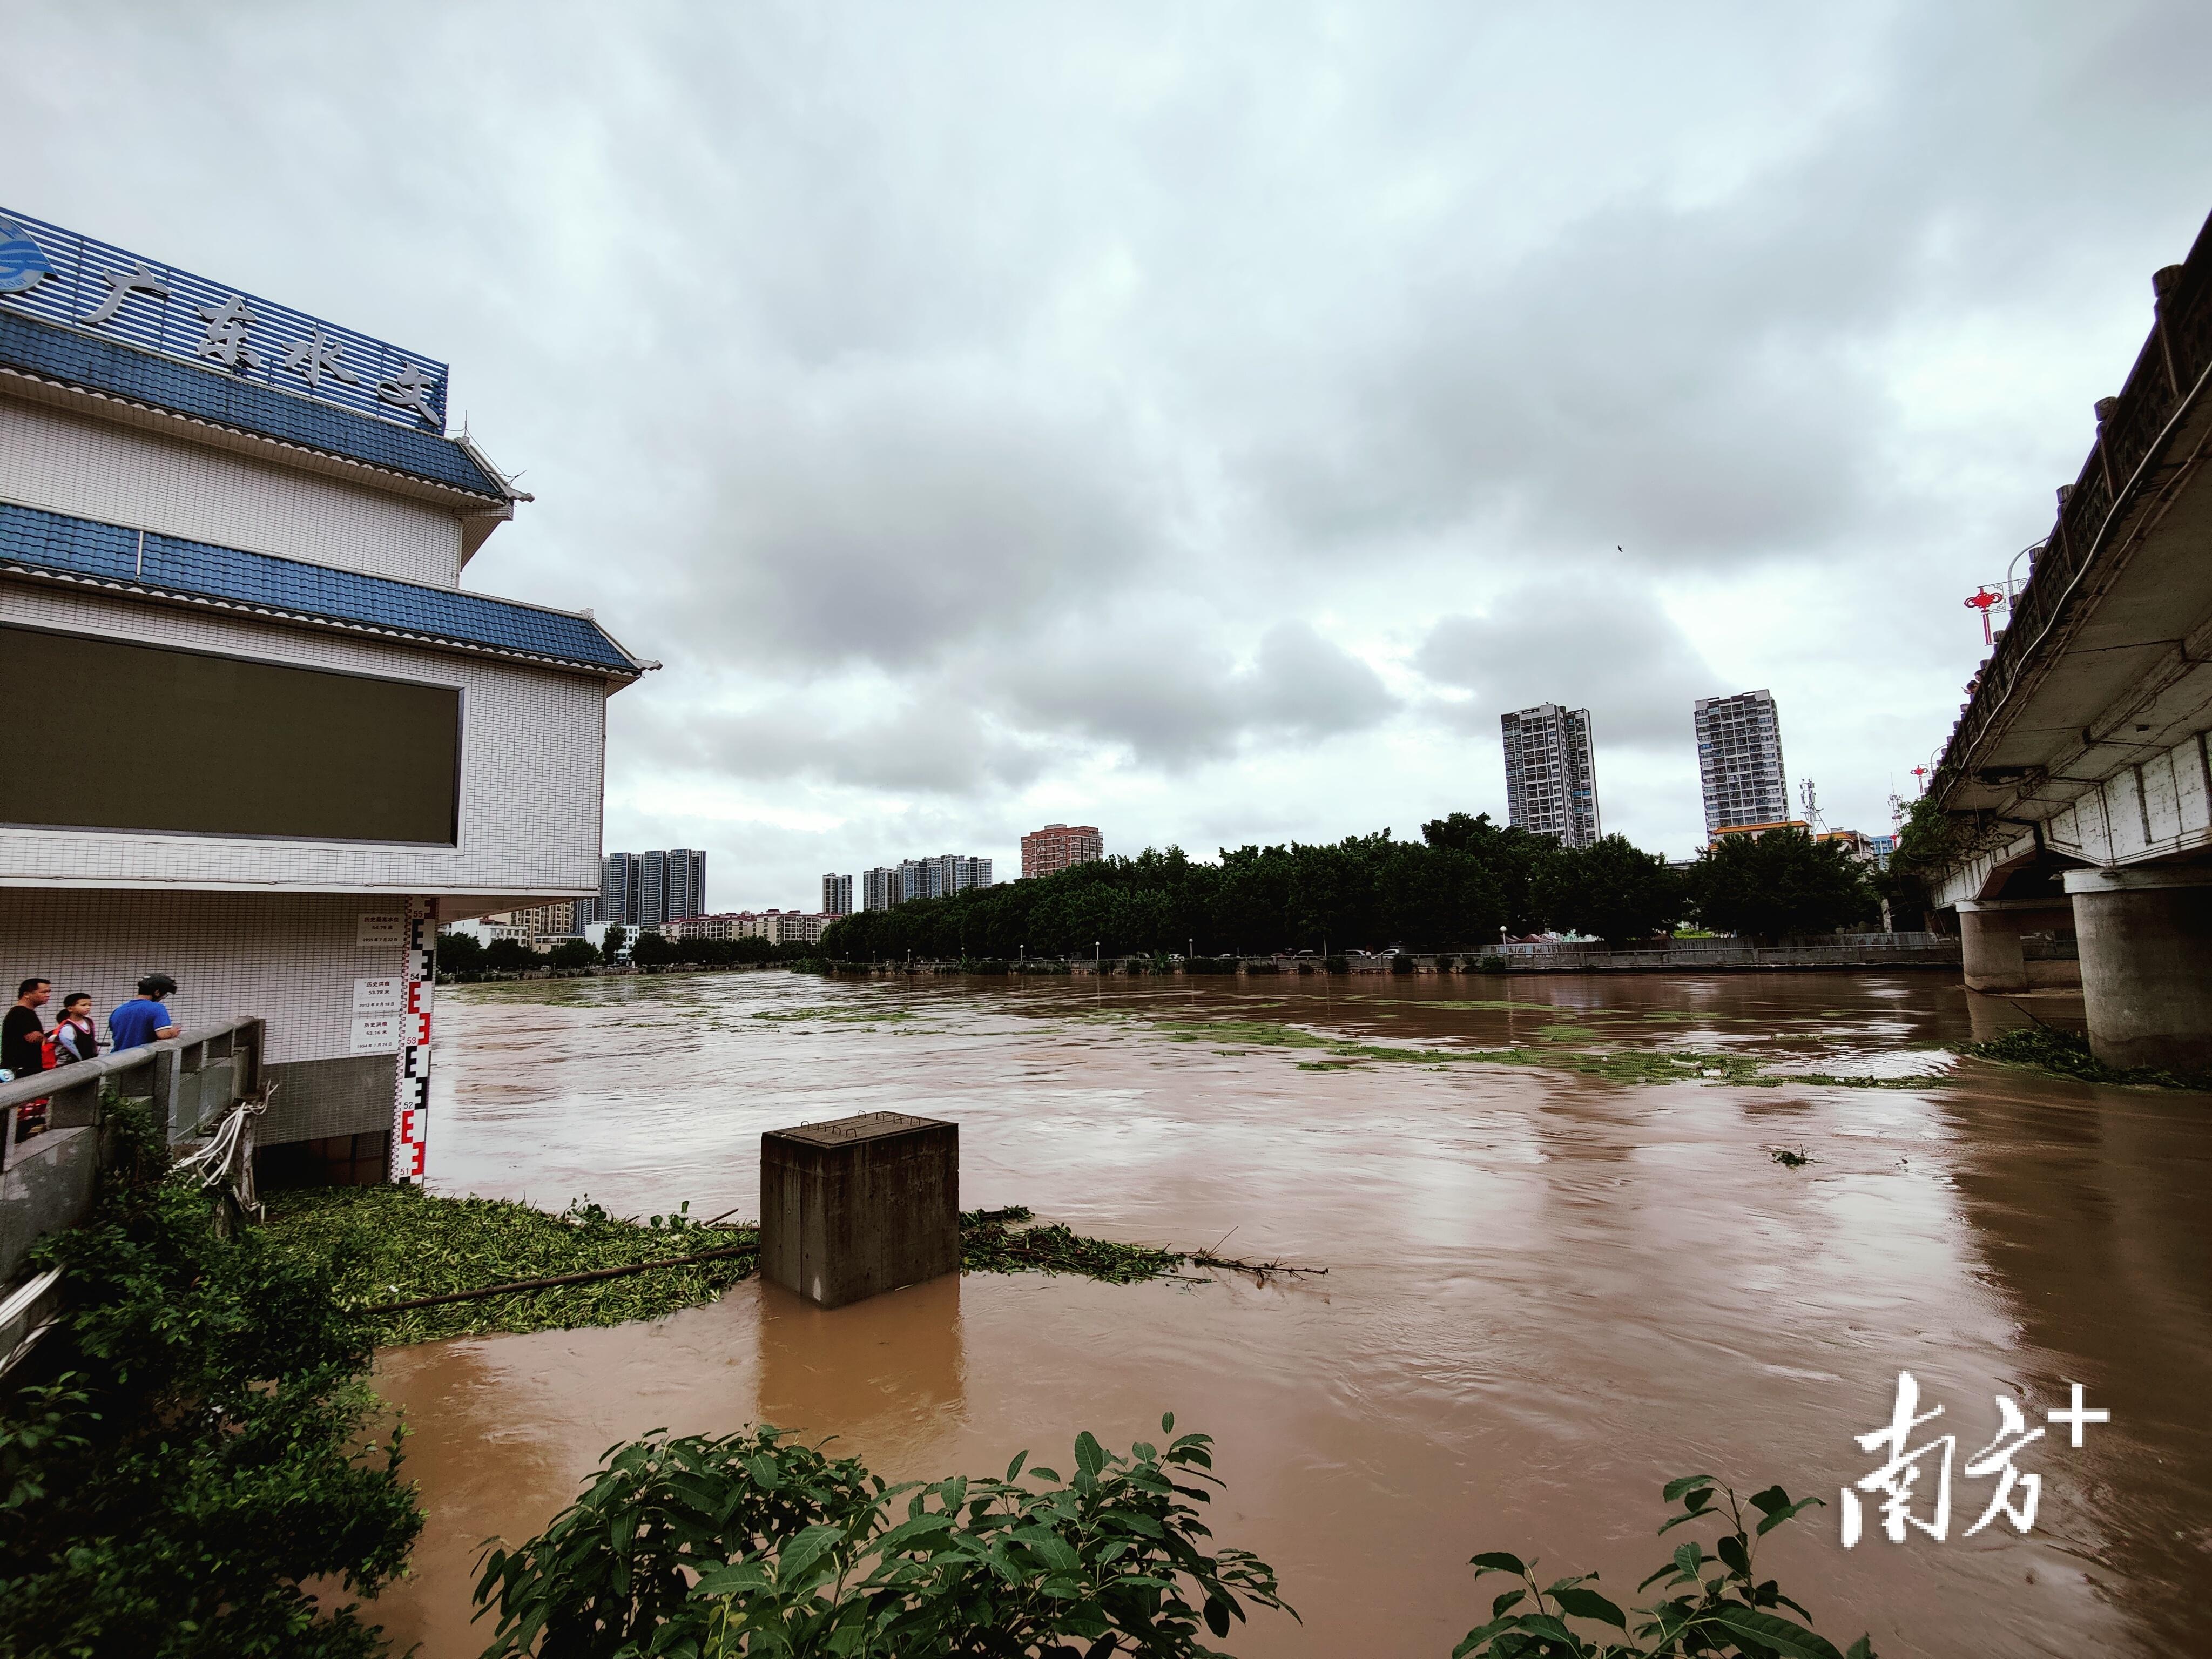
{"x":385,"y":995}
{"x":377,"y":1034}
{"x":386,"y":927}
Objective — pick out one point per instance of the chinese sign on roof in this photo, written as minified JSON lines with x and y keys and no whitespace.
{"x":67,"y":278}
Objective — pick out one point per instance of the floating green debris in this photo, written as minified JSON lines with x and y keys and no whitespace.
{"x":990,"y":1245}
{"x":2055,"y":1053}
{"x":842,"y":1015}
{"x":396,"y":1243}
{"x":1790,"y":1158}
{"x":1862,"y":1081}
{"x":1257,"y":1033}
{"x":389,"y":1244}
{"x":1618,"y":1065}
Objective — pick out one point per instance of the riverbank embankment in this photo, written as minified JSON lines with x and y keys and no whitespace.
{"x":1717,"y":957}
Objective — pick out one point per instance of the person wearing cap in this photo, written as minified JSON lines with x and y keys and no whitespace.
{"x":143,"y":1019}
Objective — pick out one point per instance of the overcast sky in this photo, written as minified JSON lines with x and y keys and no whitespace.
{"x":1199,"y":421}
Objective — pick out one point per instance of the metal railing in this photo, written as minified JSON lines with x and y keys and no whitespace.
{"x":49,"y":1181}
{"x":2134,"y":430}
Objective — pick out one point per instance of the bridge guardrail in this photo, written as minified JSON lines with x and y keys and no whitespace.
{"x":49,"y":1181}
{"x":2169,"y":372}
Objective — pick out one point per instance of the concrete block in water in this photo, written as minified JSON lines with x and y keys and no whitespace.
{"x":852,"y":1208}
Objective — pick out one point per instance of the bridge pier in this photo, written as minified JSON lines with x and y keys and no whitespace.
{"x":2008,"y":944}
{"x":2146,"y":942}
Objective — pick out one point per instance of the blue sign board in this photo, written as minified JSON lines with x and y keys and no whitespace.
{"x":66,"y":278}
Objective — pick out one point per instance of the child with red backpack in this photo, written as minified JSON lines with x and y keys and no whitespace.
{"x":72,"y":1039}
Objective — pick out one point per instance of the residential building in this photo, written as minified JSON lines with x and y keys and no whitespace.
{"x":542,"y":924}
{"x":1740,"y":762}
{"x":920,"y":878}
{"x":777,"y":927}
{"x":953,"y":872}
{"x":1551,"y":772}
{"x":649,"y":890}
{"x":836,"y":895}
{"x":1058,"y":845}
{"x":617,"y":889}
{"x":486,"y":930}
{"x":1867,"y":849}
{"x":245,"y":528}
{"x":790,"y":927}
{"x":725,"y":925}
{"x":1755,"y":831}
{"x":685,"y":891}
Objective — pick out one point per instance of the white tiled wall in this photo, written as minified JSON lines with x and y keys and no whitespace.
{"x":532,"y":745}
{"x":289,"y":958}
{"x":93,"y":469}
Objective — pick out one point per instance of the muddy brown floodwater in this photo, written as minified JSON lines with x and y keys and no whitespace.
{"x":1548,"y":1293}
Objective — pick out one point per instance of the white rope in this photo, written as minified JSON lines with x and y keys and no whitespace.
{"x":231,"y":1143}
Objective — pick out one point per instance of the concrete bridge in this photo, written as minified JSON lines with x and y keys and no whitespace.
{"x":2077,"y":786}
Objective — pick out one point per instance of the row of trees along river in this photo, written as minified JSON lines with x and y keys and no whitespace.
{"x":1452,"y":890}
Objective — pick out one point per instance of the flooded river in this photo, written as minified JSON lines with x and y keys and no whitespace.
{"x":1548,"y":1291}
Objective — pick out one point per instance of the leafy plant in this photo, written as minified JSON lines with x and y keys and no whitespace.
{"x":378,"y":1245}
{"x":1453,"y":889}
{"x":459,"y":953}
{"x":1611,"y":888}
{"x":573,"y":953}
{"x":2066,"y":1053}
{"x":382,"y":1244}
{"x":205,"y":1450}
{"x":749,"y":1544}
{"x":1781,"y":882}
{"x":1731,"y":1613}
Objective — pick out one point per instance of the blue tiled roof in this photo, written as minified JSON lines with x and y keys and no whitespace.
{"x":207,"y":394}
{"x":54,"y":544}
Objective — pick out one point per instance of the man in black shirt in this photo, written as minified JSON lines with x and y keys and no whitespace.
{"x":23,"y":1034}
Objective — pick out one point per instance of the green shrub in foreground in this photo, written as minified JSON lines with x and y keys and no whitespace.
{"x":1733,"y":1612}
{"x":747,"y":1544}
{"x":203,"y":1453}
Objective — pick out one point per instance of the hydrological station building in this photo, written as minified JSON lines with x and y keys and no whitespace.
{"x":260,"y":740}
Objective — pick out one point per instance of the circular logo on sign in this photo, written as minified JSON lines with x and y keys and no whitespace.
{"x":23,"y":263}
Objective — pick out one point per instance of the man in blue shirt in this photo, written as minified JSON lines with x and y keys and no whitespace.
{"x":138,"y":1023}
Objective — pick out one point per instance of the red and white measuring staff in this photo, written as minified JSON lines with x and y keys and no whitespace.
{"x":411,"y":1115}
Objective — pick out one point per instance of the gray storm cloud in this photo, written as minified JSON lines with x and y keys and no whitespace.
{"x":1605,"y":644}
{"x":1000,"y":413}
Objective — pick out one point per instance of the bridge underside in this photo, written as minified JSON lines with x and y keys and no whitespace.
{"x":2078,"y":782}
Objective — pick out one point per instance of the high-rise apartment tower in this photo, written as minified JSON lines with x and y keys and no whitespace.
{"x":946,"y":873}
{"x":616,"y":888}
{"x":647,"y":890}
{"x":1058,"y":845}
{"x":685,"y":892}
{"x":1740,"y":761}
{"x":836,"y":895}
{"x":1551,"y":776}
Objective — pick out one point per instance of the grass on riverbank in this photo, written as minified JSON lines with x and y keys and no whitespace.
{"x":386,"y":1244}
